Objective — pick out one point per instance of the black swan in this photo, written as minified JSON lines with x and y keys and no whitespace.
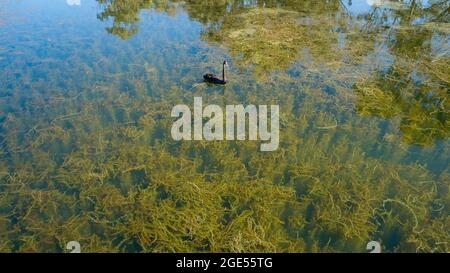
{"x":214,"y":79}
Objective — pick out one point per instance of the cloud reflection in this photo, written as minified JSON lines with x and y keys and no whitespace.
{"x":73,"y":2}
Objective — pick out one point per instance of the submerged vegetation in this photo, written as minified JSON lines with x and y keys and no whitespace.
{"x":364,"y":151}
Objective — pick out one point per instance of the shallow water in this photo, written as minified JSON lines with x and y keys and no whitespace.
{"x":87,"y":88}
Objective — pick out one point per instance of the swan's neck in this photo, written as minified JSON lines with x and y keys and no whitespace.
{"x":224,"y":76}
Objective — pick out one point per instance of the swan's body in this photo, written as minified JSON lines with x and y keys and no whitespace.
{"x":214,"y":79}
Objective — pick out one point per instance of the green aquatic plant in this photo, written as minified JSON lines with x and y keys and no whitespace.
{"x":92,"y":160}
{"x":124,"y":187}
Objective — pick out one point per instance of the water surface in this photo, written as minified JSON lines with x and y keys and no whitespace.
{"x":86,"y":91}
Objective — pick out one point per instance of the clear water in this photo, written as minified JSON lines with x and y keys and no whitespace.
{"x":86,"y":91}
